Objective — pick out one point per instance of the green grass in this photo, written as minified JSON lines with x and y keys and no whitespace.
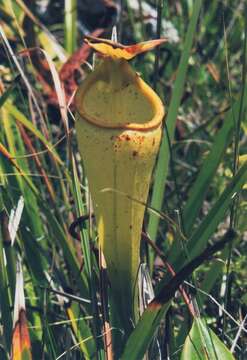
{"x":198,"y":186}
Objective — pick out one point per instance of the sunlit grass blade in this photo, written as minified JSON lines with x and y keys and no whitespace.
{"x":82,"y":331}
{"x":14,"y":112}
{"x":19,"y":116}
{"x":38,"y":162}
{"x":164,"y":155}
{"x":10,"y":226}
{"x":22,"y":181}
{"x":21,"y":345}
{"x":20,"y":172}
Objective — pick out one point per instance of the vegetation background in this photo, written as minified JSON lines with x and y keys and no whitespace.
{"x":201,"y":76}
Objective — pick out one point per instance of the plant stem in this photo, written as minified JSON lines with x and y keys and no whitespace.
{"x":70,"y":13}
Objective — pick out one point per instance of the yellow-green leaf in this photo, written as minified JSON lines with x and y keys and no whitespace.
{"x":203,"y":344}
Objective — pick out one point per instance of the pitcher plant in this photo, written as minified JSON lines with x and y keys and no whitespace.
{"x":119,"y":127}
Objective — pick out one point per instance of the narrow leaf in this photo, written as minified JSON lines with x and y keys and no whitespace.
{"x":164,"y":157}
{"x":20,"y":117}
{"x":21,"y":345}
{"x":208,"y":226}
{"x":203,"y":344}
{"x":199,"y":189}
{"x":14,"y":220}
{"x":6,"y":94}
{"x":144,"y":332}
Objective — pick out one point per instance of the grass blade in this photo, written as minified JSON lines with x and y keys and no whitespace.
{"x":20,"y":117}
{"x":6,"y":94}
{"x":21,"y":345}
{"x":163,"y":159}
{"x":198,"y":191}
{"x":5,"y":298}
{"x":142,"y":335}
{"x":208,"y":226}
{"x":203,"y":344}
{"x":80,"y":211}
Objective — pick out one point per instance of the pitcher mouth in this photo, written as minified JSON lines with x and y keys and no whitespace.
{"x":100,"y":103}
